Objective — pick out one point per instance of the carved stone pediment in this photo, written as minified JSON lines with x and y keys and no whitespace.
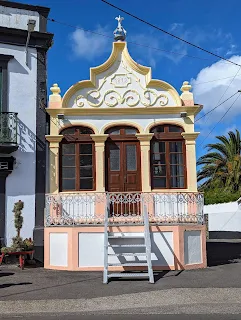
{"x":121,"y":83}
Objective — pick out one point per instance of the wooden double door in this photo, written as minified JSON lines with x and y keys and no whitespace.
{"x":123,"y":166}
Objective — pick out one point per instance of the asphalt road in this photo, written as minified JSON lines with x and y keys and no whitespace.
{"x":121,"y":317}
{"x":212,"y":293}
{"x":38,"y":284}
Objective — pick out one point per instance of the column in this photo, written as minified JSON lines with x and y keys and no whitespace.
{"x":191,"y":160}
{"x":54,"y":162}
{"x":145,"y":139}
{"x":3,"y":176}
{"x":5,"y":170}
{"x":99,"y":140}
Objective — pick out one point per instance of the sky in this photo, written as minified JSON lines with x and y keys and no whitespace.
{"x":211,"y":24}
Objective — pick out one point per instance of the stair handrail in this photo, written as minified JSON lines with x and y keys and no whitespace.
{"x":148,"y":241}
{"x":107,"y":206}
{"x":146,"y":220}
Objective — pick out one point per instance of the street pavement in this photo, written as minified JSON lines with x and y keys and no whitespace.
{"x":47,"y":294}
{"x":121,"y":317}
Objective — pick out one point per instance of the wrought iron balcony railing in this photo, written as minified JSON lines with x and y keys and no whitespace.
{"x":8,"y":128}
{"x":124,"y":208}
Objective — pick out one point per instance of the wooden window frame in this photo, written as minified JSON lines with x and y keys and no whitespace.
{"x":77,"y":139}
{"x":122,"y":136}
{"x":167,"y":137}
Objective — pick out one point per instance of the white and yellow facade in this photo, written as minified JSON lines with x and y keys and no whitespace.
{"x":121,"y":93}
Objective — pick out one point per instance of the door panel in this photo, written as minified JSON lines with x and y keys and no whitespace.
{"x":131,"y":166}
{"x":114,"y":169}
{"x":123,"y":174}
{"x":123,"y":166}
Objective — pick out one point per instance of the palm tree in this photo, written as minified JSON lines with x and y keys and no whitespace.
{"x":221,"y":166}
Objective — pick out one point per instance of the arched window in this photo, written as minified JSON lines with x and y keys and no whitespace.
{"x":168,"y":160}
{"x":76,"y":161}
{"x":122,"y":132}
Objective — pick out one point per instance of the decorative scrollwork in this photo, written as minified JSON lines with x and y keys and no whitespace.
{"x":132,"y":97}
{"x":108,"y":100}
{"x":128,"y":97}
{"x":93,"y":95}
{"x":79,"y":101}
{"x":163,"y":99}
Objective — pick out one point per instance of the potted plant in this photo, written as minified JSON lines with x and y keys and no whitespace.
{"x":19,"y":246}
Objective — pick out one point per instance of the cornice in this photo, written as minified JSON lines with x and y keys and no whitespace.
{"x":99,"y":137}
{"x":190,"y":136}
{"x":191,"y":110}
{"x":144,"y":136}
{"x":18,"y":37}
{"x":54,"y":138}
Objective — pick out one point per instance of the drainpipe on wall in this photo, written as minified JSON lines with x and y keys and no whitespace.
{"x":31,"y":26}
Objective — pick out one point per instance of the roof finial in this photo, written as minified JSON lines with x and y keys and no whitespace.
{"x":120,"y":32}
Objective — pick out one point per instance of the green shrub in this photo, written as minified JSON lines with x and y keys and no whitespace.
{"x":6,"y":250}
{"x":220,"y":196}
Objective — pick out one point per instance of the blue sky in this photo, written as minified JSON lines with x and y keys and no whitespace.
{"x":214,"y":25}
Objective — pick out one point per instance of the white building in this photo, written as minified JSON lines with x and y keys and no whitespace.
{"x":122,"y":147}
{"x":24,"y":42}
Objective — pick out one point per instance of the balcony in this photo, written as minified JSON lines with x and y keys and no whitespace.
{"x":123,"y":208}
{"x":8,"y":132}
{"x":74,"y":230}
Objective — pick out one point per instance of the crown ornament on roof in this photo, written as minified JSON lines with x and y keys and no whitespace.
{"x":120,"y":32}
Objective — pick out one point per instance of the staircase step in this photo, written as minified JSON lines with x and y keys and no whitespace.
{"x":127,"y":275}
{"x":129,"y":264}
{"x":128,"y":254}
{"x":126,"y":245}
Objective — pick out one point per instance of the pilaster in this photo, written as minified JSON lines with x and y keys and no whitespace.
{"x":54,"y":142}
{"x":99,"y":159}
{"x":145,"y":139}
{"x":191,"y":160}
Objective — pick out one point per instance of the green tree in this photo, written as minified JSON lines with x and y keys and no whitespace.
{"x":221,"y":166}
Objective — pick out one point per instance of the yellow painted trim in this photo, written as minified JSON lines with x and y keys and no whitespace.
{"x":100,"y":162}
{"x":116,"y":49}
{"x":54,"y":138}
{"x":164,"y":121}
{"x":144,"y":137}
{"x":121,"y":123}
{"x":191,"y":110}
{"x":99,"y":138}
{"x":191,"y":165}
{"x":145,"y":160}
{"x":79,"y":123}
{"x":189,"y":136}
{"x":168,"y":87}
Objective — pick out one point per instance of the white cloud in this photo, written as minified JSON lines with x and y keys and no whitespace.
{"x":175,"y":50}
{"x":89,"y":45}
{"x":232,"y":49}
{"x":209,"y":92}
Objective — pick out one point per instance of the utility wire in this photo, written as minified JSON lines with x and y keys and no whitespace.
{"x":170,"y":34}
{"x":216,"y":107}
{"x":157,"y":49}
{"x":224,"y":92}
{"x":220,"y":119}
{"x":131,"y":42}
{"x":215,"y":80}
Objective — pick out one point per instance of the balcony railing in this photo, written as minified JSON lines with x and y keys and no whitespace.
{"x":124,"y":208}
{"x":8,"y":128}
